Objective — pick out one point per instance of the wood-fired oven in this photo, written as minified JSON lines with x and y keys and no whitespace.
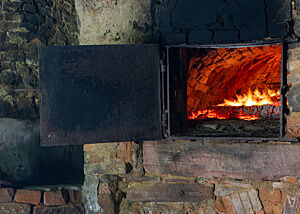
{"x":114,"y":93}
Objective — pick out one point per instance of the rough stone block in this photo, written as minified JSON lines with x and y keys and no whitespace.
{"x":11,"y":6}
{"x":200,"y":36}
{"x":212,"y":159}
{"x":293,"y":96}
{"x":293,"y":62}
{"x":169,"y":193}
{"x":28,"y":196}
{"x":290,"y":204}
{"x":223,"y":37}
{"x":297,"y":26}
{"x":14,"y":208}
{"x":29,"y":8}
{"x":105,"y":159}
{"x":219,"y":206}
{"x":106,"y":204}
{"x":13,"y":17}
{"x":75,"y":196}
{"x":33,"y":18}
{"x":90,"y":194}
{"x":171,"y":38}
{"x":56,"y":198}
{"x":6,"y":194}
{"x":243,"y":202}
{"x":271,"y":200}
{"x":66,"y":209}
{"x":7,"y":47}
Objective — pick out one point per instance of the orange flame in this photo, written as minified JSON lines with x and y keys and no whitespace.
{"x":255,"y":98}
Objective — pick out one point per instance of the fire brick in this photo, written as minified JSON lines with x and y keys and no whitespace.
{"x":56,"y":198}
{"x":75,"y":196}
{"x":6,"y":194}
{"x":28,"y":196}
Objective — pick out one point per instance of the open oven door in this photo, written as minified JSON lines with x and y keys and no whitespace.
{"x":94,"y":94}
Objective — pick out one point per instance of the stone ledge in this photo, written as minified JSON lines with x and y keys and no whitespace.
{"x":169,"y":193}
{"x":238,"y":161}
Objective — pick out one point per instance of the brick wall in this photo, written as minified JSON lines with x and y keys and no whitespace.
{"x":27,"y":201}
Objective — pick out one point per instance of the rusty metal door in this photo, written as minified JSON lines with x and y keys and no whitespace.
{"x":94,"y":94}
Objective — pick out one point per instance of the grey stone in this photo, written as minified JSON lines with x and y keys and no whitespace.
{"x":90,"y":195}
{"x":293,"y":96}
{"x":29,"y":8}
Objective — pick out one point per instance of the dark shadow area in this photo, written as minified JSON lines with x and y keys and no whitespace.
{"x":24,"y":162}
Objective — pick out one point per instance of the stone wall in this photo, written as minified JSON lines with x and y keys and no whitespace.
{"x":25,"y":25}
{"x":119,"y":177}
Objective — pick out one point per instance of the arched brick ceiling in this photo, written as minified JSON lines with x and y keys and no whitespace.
{"x":215,"y":74}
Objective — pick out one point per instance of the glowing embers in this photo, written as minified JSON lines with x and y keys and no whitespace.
{"x":234,"y":83}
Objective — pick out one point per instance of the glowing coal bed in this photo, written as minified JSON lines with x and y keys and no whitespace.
{"x":233,"y":92}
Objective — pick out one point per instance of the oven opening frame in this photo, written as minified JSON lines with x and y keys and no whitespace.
{"x":166,"y":96}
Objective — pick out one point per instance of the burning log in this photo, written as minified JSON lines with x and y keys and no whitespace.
{"x":241,"y":112}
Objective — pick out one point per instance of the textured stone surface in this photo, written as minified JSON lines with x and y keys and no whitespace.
{"x":169,"y":193}
{"x":106,"y":159}
{"x":291,"y":204}
{"x":24,"y":27}
{"x":56,"y":198}
{"x":28,"y":196}
{"x":107,"y":204}
{"x":271,"y":200}
{"x":108,"y":22}
{"x":6,"y":194}
{"x":238,"y":160}
{"x":90,"y":194}
{"x":14,"y":208}
{"x":75,"y":196}
{"x":66,"y":209}
{"x":293,"y":125}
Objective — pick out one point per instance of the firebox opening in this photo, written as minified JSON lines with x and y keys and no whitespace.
{"x":226,"y":92}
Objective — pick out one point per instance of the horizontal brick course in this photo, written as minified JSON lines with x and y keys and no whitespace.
{"x":59,"y":197}
{"x":28,"y":196}
{"x":6,"y":194}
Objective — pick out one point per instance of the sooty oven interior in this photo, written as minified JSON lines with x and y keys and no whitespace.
{"x":229,"y":91}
